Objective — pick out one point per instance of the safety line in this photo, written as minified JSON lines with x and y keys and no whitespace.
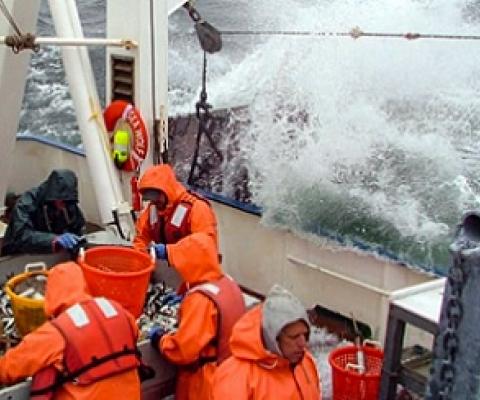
{"x":355,"y":33}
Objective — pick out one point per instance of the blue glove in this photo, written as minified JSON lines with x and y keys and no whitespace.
{"x":155,"y":334}
{"x":172,"y":299}
{"x":68,"y":241}
{"x":160,"y":251}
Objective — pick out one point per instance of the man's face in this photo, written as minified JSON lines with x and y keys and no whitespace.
{"x":56,"y":207}
{"x":293,"y":341}
{"x":59,"y":204}
{"x":156,"y":197}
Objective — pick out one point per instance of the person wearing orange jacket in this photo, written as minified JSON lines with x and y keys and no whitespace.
{"x":269,"y":358}
{"x":60,"y":353}
{"x":173,"y":215}
{"x":212,"y":304}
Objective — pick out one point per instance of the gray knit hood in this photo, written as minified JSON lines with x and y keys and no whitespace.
{"x":280,"y":309}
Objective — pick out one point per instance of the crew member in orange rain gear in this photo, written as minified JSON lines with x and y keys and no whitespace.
{"x":173,"y":215}
{"x":212,"y":304}
{"x":269,"y":356}
{"x":80,"y":328}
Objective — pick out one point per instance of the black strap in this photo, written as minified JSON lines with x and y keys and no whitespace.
{"x":205,"y":360}
{"x":193,"y":367}
{"x":145,"y":372}
{"x":71,"y":376}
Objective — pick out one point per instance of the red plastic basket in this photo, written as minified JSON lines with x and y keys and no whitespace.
{"x":347,"y":383}
{"x":118,"y":273}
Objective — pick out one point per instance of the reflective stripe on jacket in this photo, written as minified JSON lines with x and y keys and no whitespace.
{"x":174,"y":227}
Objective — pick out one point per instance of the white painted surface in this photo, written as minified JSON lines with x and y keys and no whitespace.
{"x":13,"y":72}
{"x":342,"y":279}
{"x":426,"y":302}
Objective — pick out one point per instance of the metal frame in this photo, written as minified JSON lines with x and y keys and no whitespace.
{"x":392,"y":371}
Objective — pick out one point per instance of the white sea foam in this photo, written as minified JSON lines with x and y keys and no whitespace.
{"x":382,"y":124}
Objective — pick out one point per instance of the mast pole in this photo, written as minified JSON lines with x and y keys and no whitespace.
{"x":105,"y":178}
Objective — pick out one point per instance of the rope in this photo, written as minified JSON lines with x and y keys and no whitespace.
{"x":18,"y":41}
{"x":157,"y":158}
{"x":194,"y":14}
{"x":9,"y":18}
{"x":206,"y":126}
{"x":95,"y":116}
{"x":203,"y":94}
{"x":355,"y":33}
{"x":203,"y":118}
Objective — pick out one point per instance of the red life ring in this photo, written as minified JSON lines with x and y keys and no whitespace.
{"x":120,"y":109}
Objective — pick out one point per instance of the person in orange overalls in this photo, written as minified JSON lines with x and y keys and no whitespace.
{"x":174,"y":215}
{"x":212,"y":304}
{"x":269,"y":358}
{"x":60,"y":353}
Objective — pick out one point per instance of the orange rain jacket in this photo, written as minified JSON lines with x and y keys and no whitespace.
{"x":45,"y":346}
{"x":197,"y":322}
{"x":201,"y":216}
{"x":254,"y":373}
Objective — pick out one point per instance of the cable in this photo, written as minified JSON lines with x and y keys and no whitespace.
{"x":355,"y":33}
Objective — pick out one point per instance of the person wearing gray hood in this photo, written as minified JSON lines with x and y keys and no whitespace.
{"x":270,"y":359}
{"x":46,"y":218}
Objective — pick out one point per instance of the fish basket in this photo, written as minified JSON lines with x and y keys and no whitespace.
{"x":118,"y":273}
{"x":29,"y":313}
{"x":348,"y":383}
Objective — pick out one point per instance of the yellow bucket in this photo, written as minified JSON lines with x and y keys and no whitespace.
{"x":28,"y":313}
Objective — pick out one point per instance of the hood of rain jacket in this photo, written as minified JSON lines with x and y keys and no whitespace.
{"x":61,"y":184}
{"x":246,"y":341}
{"x":65,"y":287}
{"x":280,"y":309}
{"x":200,"y":263}
{"x":162,"y":177}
